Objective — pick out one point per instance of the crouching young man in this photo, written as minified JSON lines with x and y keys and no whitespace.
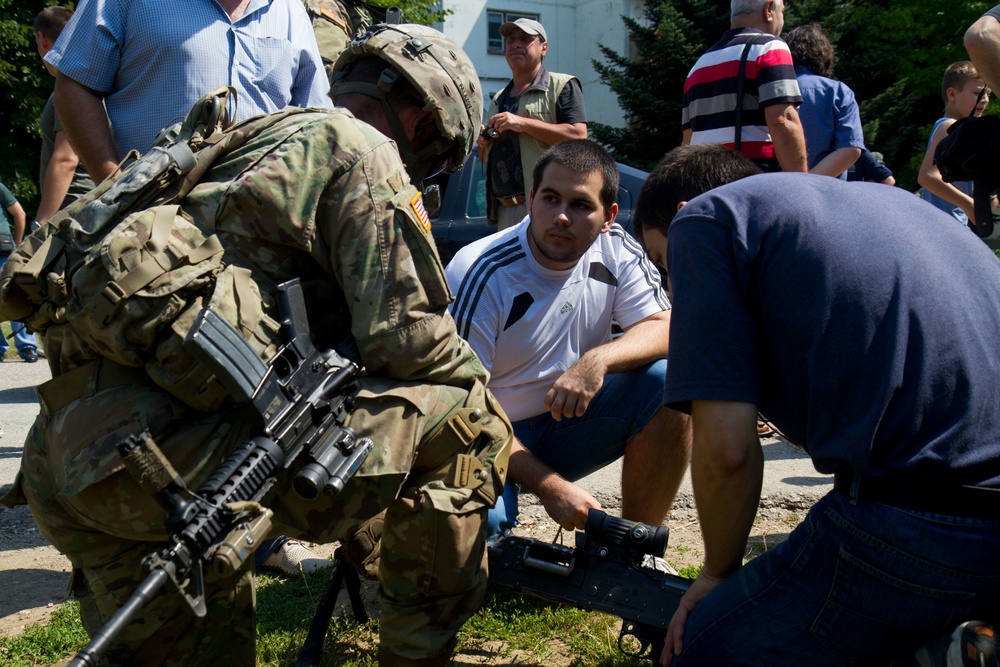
{"x":536,"y":302}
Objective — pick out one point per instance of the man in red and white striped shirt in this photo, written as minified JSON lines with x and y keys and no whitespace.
{"x":771,"y":132}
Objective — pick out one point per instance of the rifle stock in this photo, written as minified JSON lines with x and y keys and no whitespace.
{"x":602,"y":573}
{"x":304,"y":397}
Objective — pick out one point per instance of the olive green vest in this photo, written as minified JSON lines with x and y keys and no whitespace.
{"x":538,"y":101}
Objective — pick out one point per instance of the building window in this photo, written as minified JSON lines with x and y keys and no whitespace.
{"x":494,"y":42}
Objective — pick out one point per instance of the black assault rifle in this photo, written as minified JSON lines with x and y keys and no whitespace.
{"x":303,"y":397}
{"x":603,"y":573}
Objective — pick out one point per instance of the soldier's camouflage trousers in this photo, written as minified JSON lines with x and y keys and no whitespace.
{"x":432,"y":572}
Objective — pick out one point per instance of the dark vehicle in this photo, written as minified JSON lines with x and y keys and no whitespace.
{"x":462,"y":216}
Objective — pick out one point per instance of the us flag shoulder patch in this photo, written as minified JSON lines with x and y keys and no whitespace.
{"x":417,"y":204}
{"x":333,"y":17}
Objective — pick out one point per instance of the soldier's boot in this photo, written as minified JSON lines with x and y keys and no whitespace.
{"x":362,"y":544}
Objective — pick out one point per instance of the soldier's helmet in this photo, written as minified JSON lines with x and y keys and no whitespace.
{"x":443,"y":76}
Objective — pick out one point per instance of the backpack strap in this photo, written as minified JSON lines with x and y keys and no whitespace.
{"x":27,"y":277}
{"x":740,"y":86}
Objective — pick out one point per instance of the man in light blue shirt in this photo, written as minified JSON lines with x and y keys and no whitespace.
{"x":147,"y":63}
{"x":829,"y":113}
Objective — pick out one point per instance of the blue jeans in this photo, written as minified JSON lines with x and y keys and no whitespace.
{"x":22,"y":339}
{"x":854,"y":584}
{"x":578,"y":446}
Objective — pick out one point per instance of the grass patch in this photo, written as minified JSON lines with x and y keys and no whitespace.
{"x":532,"y":630}
{"x":285,"y":608}
{"x":508,"y":628}
{"x":45,"y":643}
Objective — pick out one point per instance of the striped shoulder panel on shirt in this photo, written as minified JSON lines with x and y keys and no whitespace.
{"x":724,"y":63}
{"x":477,"y":278}
{"x":649,"y":272}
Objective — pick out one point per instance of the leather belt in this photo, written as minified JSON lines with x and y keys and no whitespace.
{"x":85,"y":380}
{"x":512,"y":200}
{"x":921,"y":495}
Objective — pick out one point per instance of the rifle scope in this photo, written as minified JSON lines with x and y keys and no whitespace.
{"x":631,"y":537}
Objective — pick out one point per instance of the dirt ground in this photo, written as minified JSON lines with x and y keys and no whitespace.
{"x":33,"y":575}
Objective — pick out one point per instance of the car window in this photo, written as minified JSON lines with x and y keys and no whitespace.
{"x":476,"y":207}
{"x":624,"y":199}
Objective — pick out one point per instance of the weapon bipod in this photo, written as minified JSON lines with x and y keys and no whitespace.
{"x":343,"y":574}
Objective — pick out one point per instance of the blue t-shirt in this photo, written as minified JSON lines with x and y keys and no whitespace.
{"x":154,"y":60}
{"x":829,"y":116}
{"x":868,"y":168}
{"x":859,"y":319}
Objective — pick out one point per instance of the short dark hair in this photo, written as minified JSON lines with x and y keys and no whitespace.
{"x":811,"y":48}
{"x":684,"y":173}
{"x":582,"y":156}
{"x":51,"y":21}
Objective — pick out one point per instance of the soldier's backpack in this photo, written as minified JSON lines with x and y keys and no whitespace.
{"x":126,"y":271}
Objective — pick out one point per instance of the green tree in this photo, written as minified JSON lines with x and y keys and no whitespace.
{"x":425,"y":12}
{"x":24,"y":87}
{"x":650,"y":86}
{"x":890,"y":52}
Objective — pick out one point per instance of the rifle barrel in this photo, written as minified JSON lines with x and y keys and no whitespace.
{"x":89,"y":655}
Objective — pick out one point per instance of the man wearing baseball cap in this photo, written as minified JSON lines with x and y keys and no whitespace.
{"x":537,"y":109}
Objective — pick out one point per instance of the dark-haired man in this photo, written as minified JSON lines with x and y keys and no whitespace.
{"x":536,"y":303}
{"x":871,"y":346}
{"x":62,"y":177}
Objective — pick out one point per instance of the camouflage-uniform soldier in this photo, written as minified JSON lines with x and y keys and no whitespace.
{"x":335,"y":23}
{"x":323,"y":197}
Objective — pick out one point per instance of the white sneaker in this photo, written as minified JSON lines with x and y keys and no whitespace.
{"x":293,"y":558}
{"x":655,"y":563}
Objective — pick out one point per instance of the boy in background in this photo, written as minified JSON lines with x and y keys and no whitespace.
{"x":965,"y":94}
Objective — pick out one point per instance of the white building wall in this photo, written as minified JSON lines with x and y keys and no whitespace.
{"x":574,"y":28}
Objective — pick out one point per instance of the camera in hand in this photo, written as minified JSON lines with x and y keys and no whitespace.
{"x":489,"y":133}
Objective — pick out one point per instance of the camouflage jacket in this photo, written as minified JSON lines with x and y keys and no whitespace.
{"x":335,"y":24}
{"x":324,"y":197}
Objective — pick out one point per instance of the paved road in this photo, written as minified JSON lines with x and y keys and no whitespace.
{"x":18,"y":408}
{"x":789,"y":478}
